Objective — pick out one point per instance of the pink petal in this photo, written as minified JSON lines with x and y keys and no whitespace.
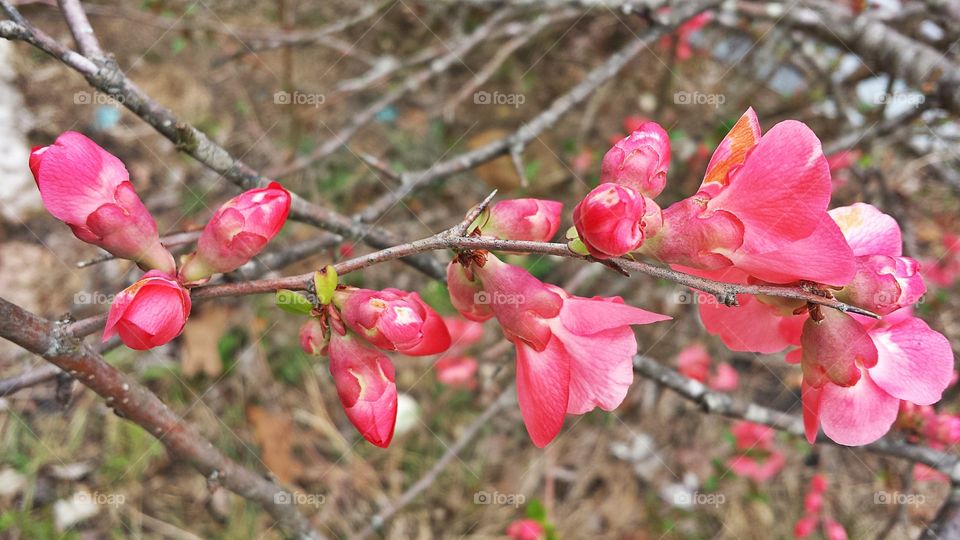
{"x":915,"y":363}
{"x":751,"y":327}
{"x":868,"y":230}
{"x":811,"y":398}
{"x":732,"y":151}
{"x":858,"y":414}
{"x":599,"y":380}
{"x":543,"y":388}
{"x":585,"y":316}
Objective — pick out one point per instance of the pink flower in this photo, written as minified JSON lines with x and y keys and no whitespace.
{"x":393,"y":320}
{"x":609,"y":220}
{"x":694,"y":361}
{"x":757,"y":458}
{"x":535,"y":220}
{"x":525,"y":529}
{"x":365,"y":383}
{"x":834,"y":530}
{"x":89,"y":189}
{"x":683,"y":33}
{"x":805,"y":527}
{"x":639,"y":161}
{"x":313,"y":338}
{"x":557,"y":336}
{"x":148,"y":313}
{"x":457,"y":371}
{"x":776,"y":231}
{"x":467,"y":294}
{"x":237,"y":232}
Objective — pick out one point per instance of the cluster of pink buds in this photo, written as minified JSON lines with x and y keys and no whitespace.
{"x":814,"y":516}
{"x":89,"y":189}
{"x":938,"y":430}
{"x":757,"y":457}
{"x":352,"y":327}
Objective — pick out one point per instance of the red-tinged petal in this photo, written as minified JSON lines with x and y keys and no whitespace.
{"x":465,"y":293}
{"x":823,"y":256}
{"x":639,"y":161}
{"x":915,"y":363}
{"x":811,"y":399}
{"x":858,"y":414}
{"x":732,"y":151}
{"x":435,"y":338}
{"x":868,"y":230}
{"x":536,"y":220}
{"x":149,"y":313}
{"x":692,"y":237}
{"x":586,"y":316}
{"x":781,"y":190}
{"x":609,"y":220}
{"x":543,"y":389}
{"x":366,"y":386}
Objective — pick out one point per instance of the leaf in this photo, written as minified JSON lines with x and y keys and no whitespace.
{"x":293,"y":302}
{"x":273,"y":431}
{"x":201,"y":338}
{"x":325,"y":282}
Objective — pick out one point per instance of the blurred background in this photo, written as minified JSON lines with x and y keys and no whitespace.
{"x":336,"y":100}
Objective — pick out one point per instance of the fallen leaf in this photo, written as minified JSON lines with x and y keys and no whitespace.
{"x":200,"y":338}
{"x":273,"y":431}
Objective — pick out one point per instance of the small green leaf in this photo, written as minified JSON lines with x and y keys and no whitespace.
{"x":325,"y":282}
{"x":293,"y":302}
{"x":578,"y":247}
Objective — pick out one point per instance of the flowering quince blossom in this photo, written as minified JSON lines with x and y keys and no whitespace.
{"x":936,"y":430}
{"x":525,"y":529}
{"x":393,"y":320}
{"x":757,"y":457}
{"x":535,"y":220}
{"x":366,"y":385}
{"x":238,"y":231}
{"x":814,"y":515}
{"x":773,"y":231}
{"x":148,"y":313}
{"x":616,"y":216}
{"x":694,"y":362}
{"x":556,"y":335}
{"x":856,"y":371}
{"x":89,"y":189}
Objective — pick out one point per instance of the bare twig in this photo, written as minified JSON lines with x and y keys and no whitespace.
{"x":133,"y":402}
{"x":80,"y":28}
{"x":32,"y":377}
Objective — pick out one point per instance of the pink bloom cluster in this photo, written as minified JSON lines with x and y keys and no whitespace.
{"x":945,"y":270}
{"x":695,"y":362}
{"x":353,"y":330}
{"x":89,"y":189}
{"x":939,"y":430}
{"x":757,"y":457}
{"x":556,"y":334}
{"x":761,"y":216}
{"x":526,"y":529}
{"x":814,"y":515}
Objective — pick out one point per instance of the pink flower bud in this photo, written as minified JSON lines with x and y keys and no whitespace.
{"x":525,"y":529}
{"x":238,"y":231}
{"x":694,"y":362}
{"x":148,"y":313}
{"x":813,"y":502}
{"x":467,"y":294}
{"x":457,"y":371}
{"x":394,"y":320}
{"x":536,"y":220}
{"x":640,"y":161}
{"x":89,"y":189}
{"x":314,"y":338}
{"x":726,"y":379}
{"x":884,"y":284}
{"x":833,"y":530}
{"x":365,"y":383}
{"x":805,"y":527}
{"x":609,"y":220}
{"x":818,"y":483}
{"x":834,"y":349}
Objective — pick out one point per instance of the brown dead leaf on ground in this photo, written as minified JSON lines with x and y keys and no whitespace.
{"x":200,"y":338}
{"x":273,"y":431}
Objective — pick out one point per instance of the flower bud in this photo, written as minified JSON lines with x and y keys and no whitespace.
{"x":237,"y":232}
{"x":884,"y":284}
{"x":394,"y":320}
{"x":314,"y":338}
{"x":457,"y":371}
{"x":535,"y":220}
{"x":366,"y":386}
{"x":639,"y":161}
{"x":148,"y":313}
{"x":609,"y":220}
{"x":89,"y":189}
{"x":834,"y":350}
{"x":467,"y":294}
